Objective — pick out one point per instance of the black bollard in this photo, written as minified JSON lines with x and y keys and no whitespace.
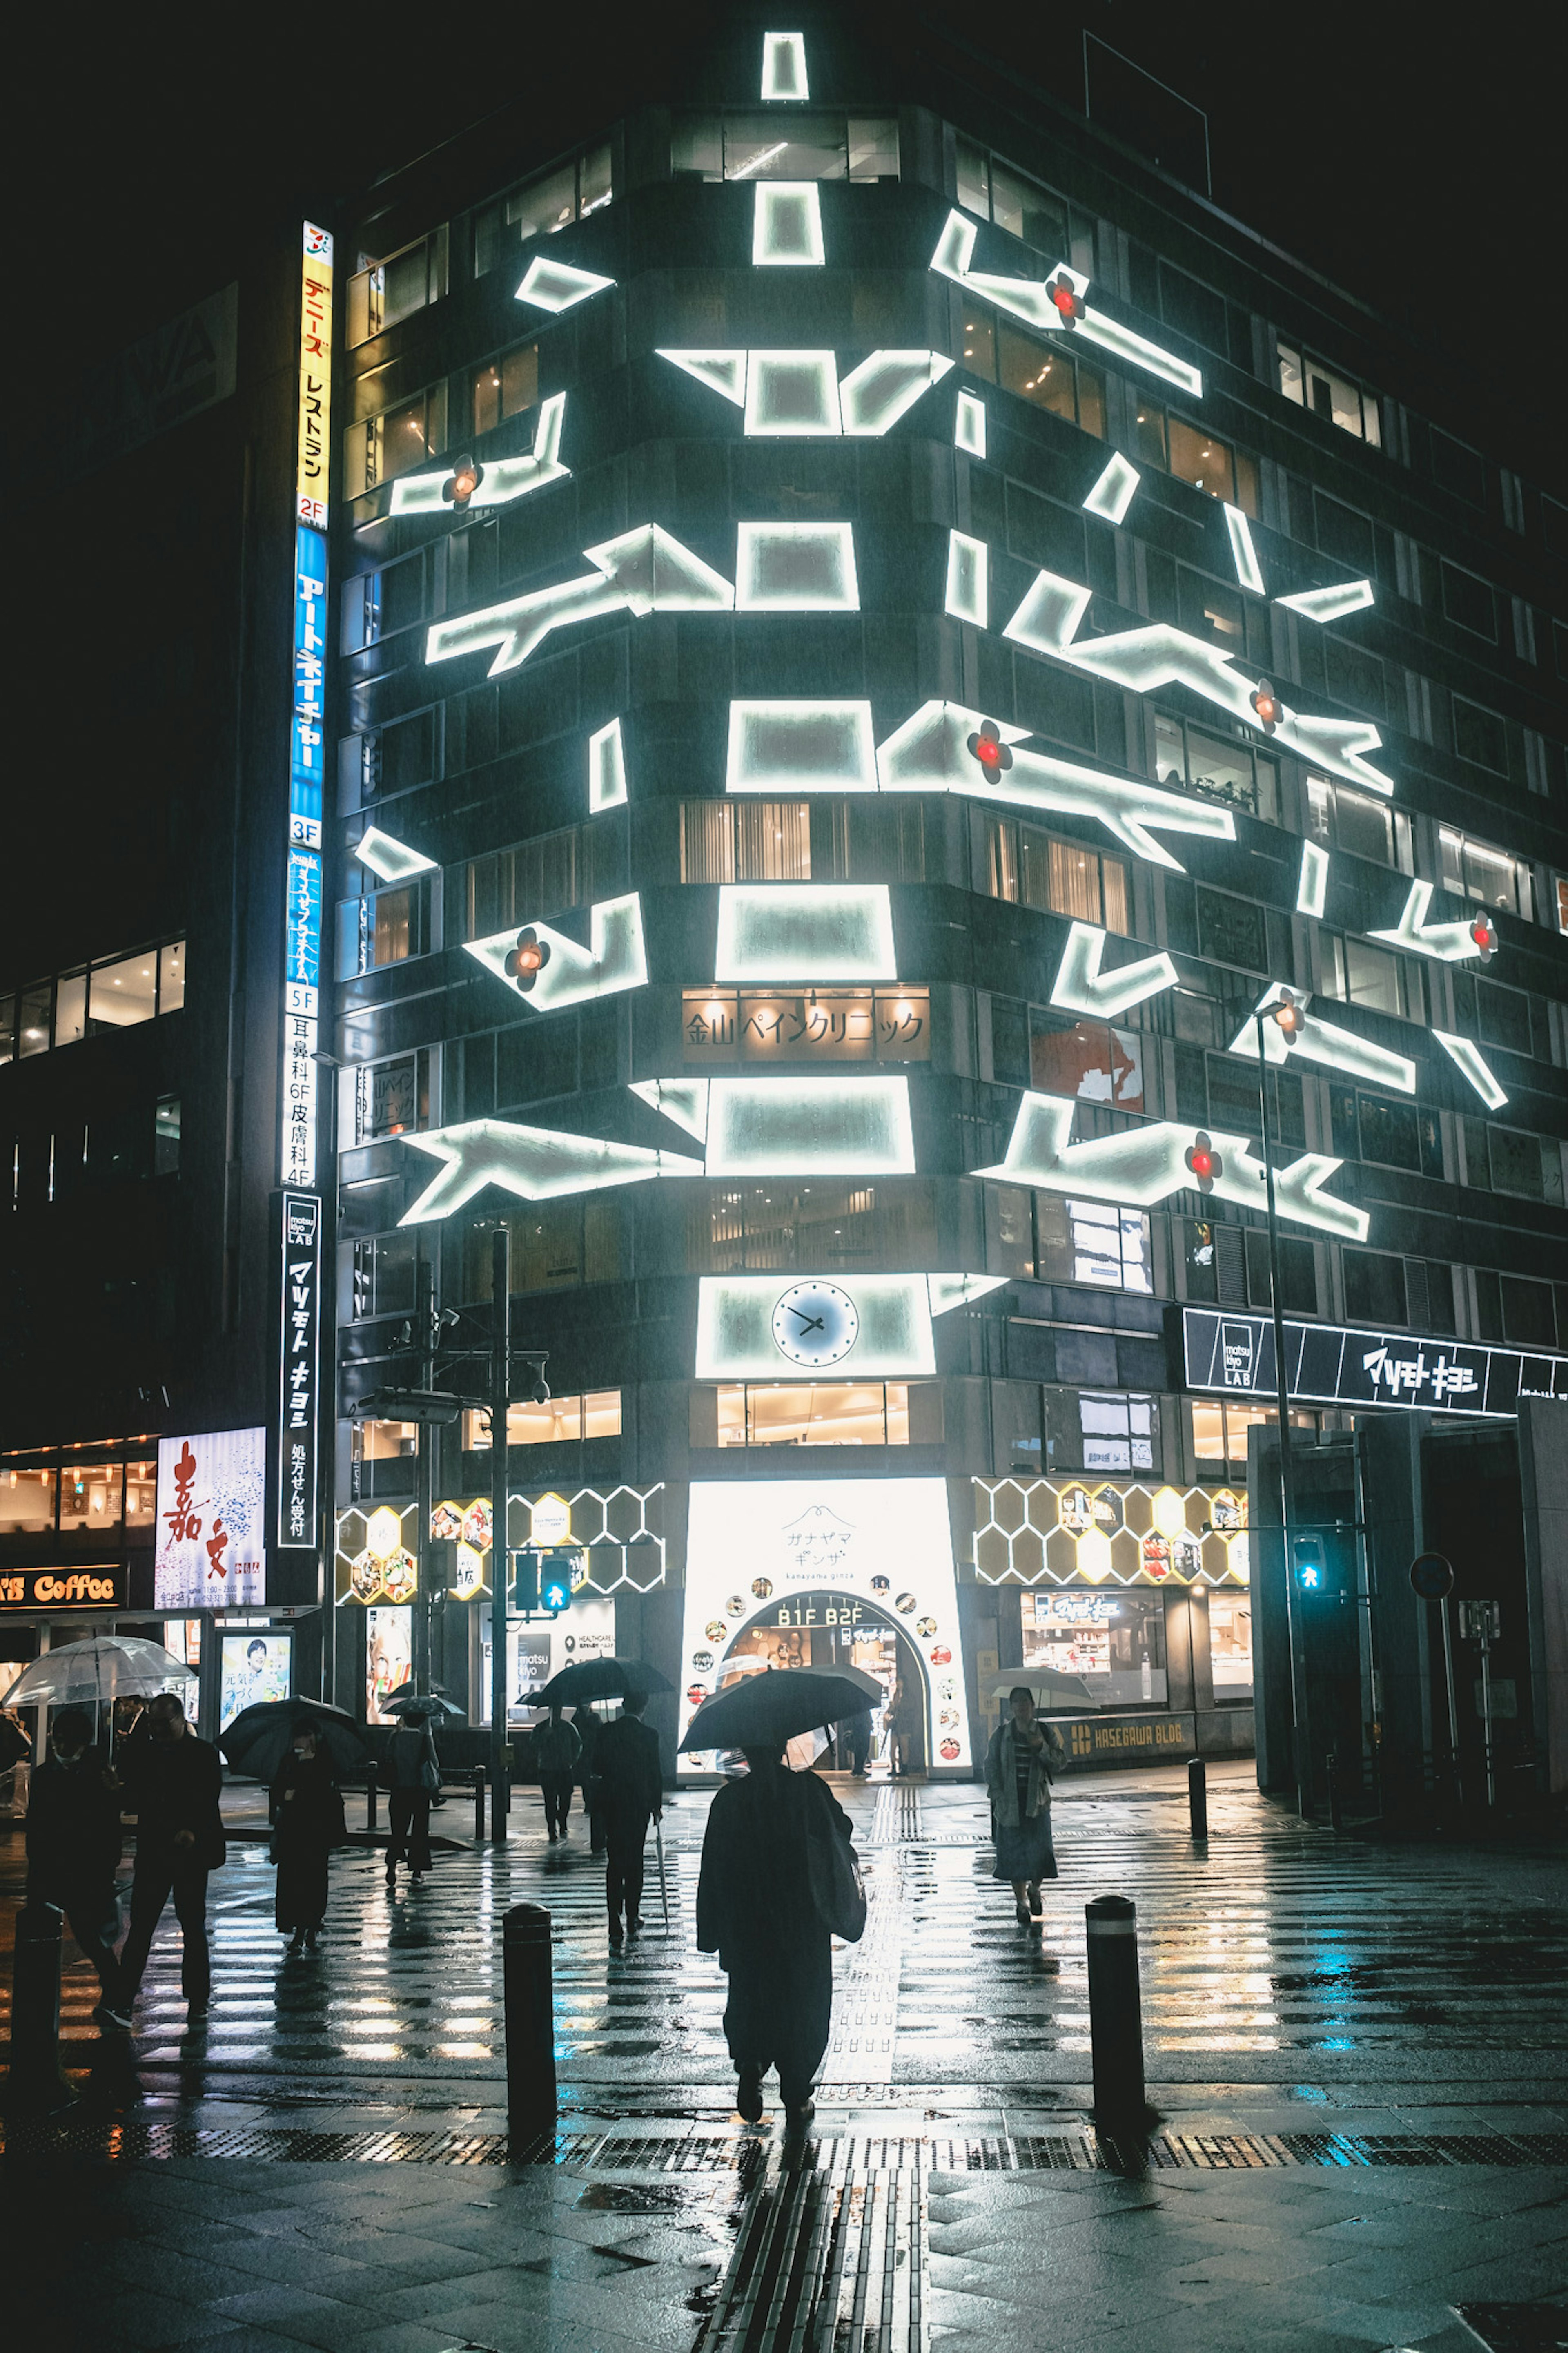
{"x":1334,"y":1808}
{"x":530,"y":2021}
{"x":1115,"y":2014}
{"x":479,"y":1805}
{"x":370,"y":1779}
{"x":36,"y":2077}
{"x":1198,"y":1797}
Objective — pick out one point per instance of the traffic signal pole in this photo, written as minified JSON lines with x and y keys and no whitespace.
{"x":1299,"y":1732}
{"x":500,"y":1384}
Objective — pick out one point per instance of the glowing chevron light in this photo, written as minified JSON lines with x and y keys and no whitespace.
{"x":501,"y":478}
{"x":1158,"y":655}
{"x":1146,"y":1165}
{"x":1323,"y":1042}
{"x":390,"y":861}
{"x":1029,"y":299}
{"x":538,"y":1163}
{"x":1080,"y":988}
{"x":1112,"y":494}
{"x":646,"y":570}
{"x":557,"y":286}
{"x":1474,"y":1066}
{"x":1329,"y":604}
{"x":614,"y":959}
{"x":1453,"y":943}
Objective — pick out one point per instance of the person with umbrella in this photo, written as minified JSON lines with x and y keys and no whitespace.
{"x":631,"y":1794}
{"x":557,"y":1746}
{"x":415,"y":1778}
{"x":306,"y":1810}
{"x":73,"y":1846}
{"x":775,"y":1883}
{"x":172,"y":1784}
{"x":1018,"y":1763}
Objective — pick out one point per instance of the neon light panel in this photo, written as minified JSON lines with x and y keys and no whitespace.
{"x":874,"y":395}
{"x":1324,"y":1042}
{"x":721,"y":372}
{"x":966,"y":599}
{"x":791,"y":393}
{"x":1079,"y":987}
{"x":1112,"y":494}
{"x":801,"y":747}
{"x":796,"y":567}
{"x":786,"y":226}
{"x":735,"y":1328}
{"x":1474,"y":1066}
{"x":685,"y":1101}
{"x":1146,"y":1165}
{"x":606,"y":769}
{"x":390,"y":861}
{"x":1329,"y":604}
{"x":1048,"y":621}
{"x":1312,"y":889}
{"x":1248,"y":571}
{"x":501,"y":478}
{"x":805,"y":931}
{"x":538,"y":1163}
{"x":784,"y":65}
{"x":557,"y":286}
{"x":1449,"y":942}
{"x":969,"y":425}
{"x":614,"y":959}
{"x":646,"y":569}
{"x":799,"y":1127}
{"x":798,"y":392}
{"x":1028,"y":299}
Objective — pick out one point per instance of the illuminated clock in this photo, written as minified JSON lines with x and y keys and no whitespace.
{"x":815,"y":1323}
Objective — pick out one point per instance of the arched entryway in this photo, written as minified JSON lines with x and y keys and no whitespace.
{"x":827,"y":1628}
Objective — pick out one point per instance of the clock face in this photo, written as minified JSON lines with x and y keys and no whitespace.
{"x":815,"y":1323}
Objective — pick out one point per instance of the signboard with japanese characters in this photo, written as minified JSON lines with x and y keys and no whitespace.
{"x":300,"y":1346}
{"x":211,"y":1545}
{"x":813,"y":1025}
{"x":1329,"y":1365}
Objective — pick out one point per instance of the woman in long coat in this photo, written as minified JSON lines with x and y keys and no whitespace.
{"x":1018,"y":1764}
{"x":307,"y":1810}
{"x":754,"y":1909}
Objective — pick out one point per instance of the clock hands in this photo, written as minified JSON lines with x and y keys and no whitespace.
{"x":808,"y":1323}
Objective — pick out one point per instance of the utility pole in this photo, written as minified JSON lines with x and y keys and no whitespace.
{"x":500,"y":1384}
{"x":1290,"y":1027}
{"x":424,"y":1328}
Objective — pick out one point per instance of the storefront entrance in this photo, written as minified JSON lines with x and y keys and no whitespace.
{"x":827,"y":1628}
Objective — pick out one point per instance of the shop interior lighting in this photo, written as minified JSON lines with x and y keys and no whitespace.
{"x":606,"y":769}
{"x":1248,"y":571}
{"x":967,"y":573}
{"x":1323,"y":1042}
{"x":805,"y":931}
{"x":1449,"y":942}
{"x":801,"y":747}
{"x":647,"y":570}
{"x":1146,"y":1165}
{"x":784,"y":65}
{"x":1032,"y":299}
{"x":805,"y":1127}
{"x":1312,"y":888}
{"x":786,"y":225}
{"x":538,"y":1163}
{"x":1476,"y":1068}
{"x":1329,"y":604}
{"x":501,"y":478}
{"x":557,"y":286}
{"x":796,"y":567}
{"x":1143,"y":659}
{"x":390,"y":861}
{"x":615,"y":958}
{"x":1112,"y":494}
{"x":797,"y":393}
{"x":969,"y":425}
{"x":1079,"y":987}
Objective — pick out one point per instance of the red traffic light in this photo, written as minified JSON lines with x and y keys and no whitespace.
{"x":1205,"y":1162}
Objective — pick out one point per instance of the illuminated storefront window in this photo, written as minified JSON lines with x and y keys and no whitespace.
{"x":1114,"y":1644}
{"x":559,"y":1421}
{"x":817,"y":1413}
{"x":1111,"y":1533}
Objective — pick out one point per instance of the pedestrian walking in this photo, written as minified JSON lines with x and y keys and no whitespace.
{"x":1018,"y":1763}
{"x":905,"y":1717}
{"x":855,"y":1734}
{"x":172,"y":1785}
{"x":759,"y":1908}
{"x":630,"y":1788}
{"x":307,"y":1814}
{"x":416,"y":1772}
{"x":557,"y":1747}
{"x":73,"y":1847}
{"x":590,"y":1730}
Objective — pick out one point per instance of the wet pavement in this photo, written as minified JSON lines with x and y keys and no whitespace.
{"x":1358,"y":2054}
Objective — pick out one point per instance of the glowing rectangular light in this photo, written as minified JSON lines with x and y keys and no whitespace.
{"x":1112,"y":494}
{"x":784,"y":65}
{"x":1248,"y":571}
{"x":557,"y":286}
{"x":737,"y":1315}
{"x":1474,"y":1066}
{"x":791,"y":393}
{"x":969,"y":425}
{"x":1311,"y":891}
{"x":786,"y":225}
{"x":606,"y":769}
{"x":805,"y":931}
{"x":967,"y":575}
{"x":801,"y":747}
{"x":1329,"y":604}
{"x":391,"y":860}
{"x":803,"y":1127}
{"x":874,"y":395}
{"x":796,"y":567}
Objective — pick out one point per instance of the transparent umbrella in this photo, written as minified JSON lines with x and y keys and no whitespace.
{"x":104,"y":1667}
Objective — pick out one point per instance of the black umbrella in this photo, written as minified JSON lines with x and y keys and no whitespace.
{"x":417,"y":1704}
{"x":411,"y":1689}
{"x":597,"y":1678}
{"x":260,"y":1736}
{"x":768,"y":1709}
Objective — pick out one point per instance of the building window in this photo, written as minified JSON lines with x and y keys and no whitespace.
{"x":383,"y":292}
{"x":1036,"y":869}
{"x":1516,"y":1163}
{"x":541,"y":206}
{"x":1311,"y":384}
{"x":1049,"y":377}
{"x":166,"y":1136}
{"x":393,"y":443}
{"x":1232,"y":931}
{"x":545,"y":877}
{"x":1510,"y":1307}
{"x":555,"y":1246}
{"x":1480,"y":736}
{"x":505,"y":386}
{"x":92,"y":1000}
{"x":392,"y":1098}
{"x":1341,"y":818}
{"x":383,"y":1276}
{"x":818,"y":1025}
{"x":1392,"y":1132}
{"x":817,"y":1413}
{"x":1176,"y":447}
{"x":1297,"y":1273}
{"x":1120,"y":1431}
{"x":384,"y":927}
{"x":994,"y":192}
{"x":1046,"y":1238}
{"x":745,"y":841}
{"x":1220,"y":1430}
{"x":1470,"y":602}
{"x":1374,"y":1288}
{"x":1358,"y":973}
{"x":1113,"y":1642}
{"x":1222,"y":769}
{"x":28,"y":1503}
{"x":1472,"y":869}
{"x":1089,"y":1060}
{"x":559,"y":1421}
{"x":791,"y":146}
{"x":385,"y":1441}
{"x":734,"y":1228}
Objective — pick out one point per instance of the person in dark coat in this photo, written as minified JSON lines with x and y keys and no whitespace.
{"x":630,"y":1791}
{"x":172,"y":1785}
{"x":855,"y":1734}
{"x":73,"y":1847}
{"x":588,"y":1730}
{"x":307,"y":1814}
{"x":755,"y":1910}
{"x":416,"y":1772}
{"x":1023,"y":1754}
{"x":556,"y":1749}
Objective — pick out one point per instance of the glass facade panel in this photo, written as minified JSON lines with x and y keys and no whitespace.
{"x":26,"y":1502}
{"x":1196,"y":457}
{"x":172,"y":978}
{"x":125,"y":993}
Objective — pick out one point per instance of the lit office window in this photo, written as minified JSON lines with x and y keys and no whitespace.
{"x":745,"y":841}
{"x":1311,"y":384}
{"x":1359,"y":974}
{"x":793,"y":147}
{"x":1472,"y":869}
{"x":1039,"y":870}
{"x":1050,"y":377}
{"x":505,"y":386}
{"x":1176,"y":447}
{"x":1023,"y":208}
{"x":1222,"y":767}
{"x":395,"y":442}
{"x":382,"y":291}
{"x":1339,"y":818}
{"x":817,"y":1413}
{"x":543,"y":206}
{"x":559,"y":1421}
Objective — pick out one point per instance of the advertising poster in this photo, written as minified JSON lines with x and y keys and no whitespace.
{"x":211,"y":1548}
{"x":537,"y":1652}
{"x":389,"y":1656}
{"x":253,"y":1667}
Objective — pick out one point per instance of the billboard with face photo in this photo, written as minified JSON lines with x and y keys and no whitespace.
{"x":254,"y":1667}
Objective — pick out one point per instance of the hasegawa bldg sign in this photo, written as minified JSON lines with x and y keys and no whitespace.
{"x":1329,"y":1365}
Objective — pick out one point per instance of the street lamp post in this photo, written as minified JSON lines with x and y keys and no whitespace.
{"x":1287,"y":1018}
{"x":500,"y":1386}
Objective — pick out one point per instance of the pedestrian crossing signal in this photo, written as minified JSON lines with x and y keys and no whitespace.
{"x":542,"y":1581}
{"x":555,"y":1588}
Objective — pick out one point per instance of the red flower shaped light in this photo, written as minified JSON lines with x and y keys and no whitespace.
{"x":1483,"y":930}
{"x":462,"y":482}
{"x":1205,"y":1162}
{"x":1266,"y":705}
{"x":988,"y":748}
{"x":1066,"y":299}
{"x":528,"y":959}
